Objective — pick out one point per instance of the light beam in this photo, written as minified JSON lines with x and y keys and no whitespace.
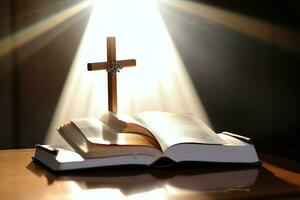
{"x":29,"y":33}
{"x":258,"y":29}
{"x":158,"y":82}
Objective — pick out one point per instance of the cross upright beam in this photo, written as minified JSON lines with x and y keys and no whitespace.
{"x":112,"y":66}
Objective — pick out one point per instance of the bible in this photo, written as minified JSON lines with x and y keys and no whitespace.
{"x":117,"y":140}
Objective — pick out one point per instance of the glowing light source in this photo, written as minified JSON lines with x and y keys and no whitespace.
{"x":159,"y":82}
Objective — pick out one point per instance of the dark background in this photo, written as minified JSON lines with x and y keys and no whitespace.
{"x":246,"y":85}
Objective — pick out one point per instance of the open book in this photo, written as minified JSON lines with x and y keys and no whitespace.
{"x":116,"y":139}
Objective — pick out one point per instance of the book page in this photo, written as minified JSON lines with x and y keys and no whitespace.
{"x":171,"y":129}
{"x":126,"y":124}
{"x":97,"y":132}
{"x":92,"y":138}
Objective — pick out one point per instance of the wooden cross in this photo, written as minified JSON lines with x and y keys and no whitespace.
{"x":112,"y":66}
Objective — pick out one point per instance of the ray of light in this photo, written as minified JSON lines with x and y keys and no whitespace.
{"x":29,"y":33}
{"x":158,"y":82}
{"x":262,"y":30}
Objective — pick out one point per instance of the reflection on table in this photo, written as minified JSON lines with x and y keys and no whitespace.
{"x":189,"y":181}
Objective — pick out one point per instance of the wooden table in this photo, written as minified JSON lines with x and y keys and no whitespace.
{"x":20,"y":178}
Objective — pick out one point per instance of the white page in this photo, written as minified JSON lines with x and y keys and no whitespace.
{"x":171,"y":129}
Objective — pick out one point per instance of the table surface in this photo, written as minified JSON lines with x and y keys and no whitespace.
{"x":20,"y":178}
